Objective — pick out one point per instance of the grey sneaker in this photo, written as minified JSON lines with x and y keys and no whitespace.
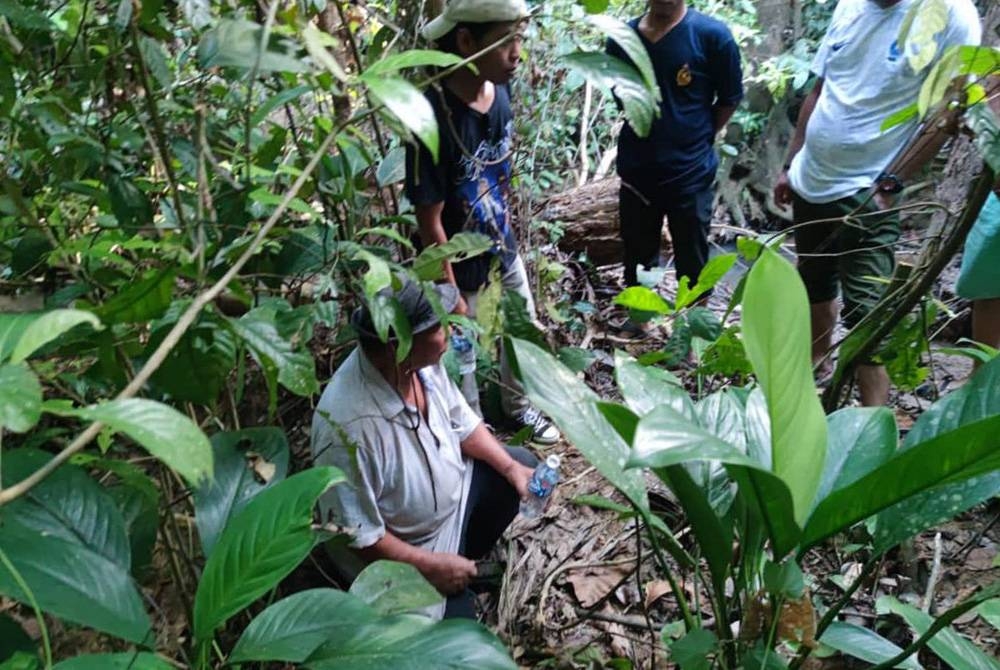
{"x":543,"y":432}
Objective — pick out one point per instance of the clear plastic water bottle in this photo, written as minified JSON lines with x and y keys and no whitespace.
{"x":540,"y":487}
{"x":465,"y":356}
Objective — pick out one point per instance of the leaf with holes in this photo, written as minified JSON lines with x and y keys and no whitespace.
{"x":390,"y":587}
{"x":460,"y":247}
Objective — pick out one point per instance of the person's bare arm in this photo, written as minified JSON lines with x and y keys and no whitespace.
{"x":448,"y":573}
{"x":432,"y":232}
{"x":481,"y":445}
{"x":783,"y":190}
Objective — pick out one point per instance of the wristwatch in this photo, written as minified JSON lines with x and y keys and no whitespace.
{"x":887,"y":182}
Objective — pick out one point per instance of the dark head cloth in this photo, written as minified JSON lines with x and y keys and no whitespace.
{"x":413,"y":300}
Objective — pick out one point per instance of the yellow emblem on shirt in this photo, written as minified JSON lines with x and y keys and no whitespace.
{"x":684,"y":75}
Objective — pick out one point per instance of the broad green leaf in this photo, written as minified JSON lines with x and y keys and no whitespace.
{"x":923,"y":21}
{"x":408,"y":105}
{"x":390,"y":587}
{"x":978,"y":399}
{"x":259,"y":547}
{"x":140,"y":301}
{"x":608,"y":72}
{"x":643,"y":299}
{"x":777,"y":339}
{"x":279,"y":99}
{"x":460,"y":247}
{"x":859,"y":440}
{"x":956,"y":652}
{"x":722,"y":415}
{"x":293,"y":628}
{"x":295,"y":370}
{"x":949,"y":458}
{"x":665,"y":438}
{"x":986,"y":134}
{"x":628,"y":40}
{"x":156,"y":61}
{"x":160,"y":429}
{"x":378,"y":276}
{"x":139,"y":660}
{"x":715,"y":538}
{"x":413,"y":58}
{"x":13,"y":639}
{"x":864,"y":644}
{"x":594,"y":6}
{"x":141,"y":514}
{"x":20,"y":398}
{"x":236,"y":43}
{"x":392,"y":170}
{"x":387,"y":313}
{"x":316,"y":42}
{"x":67,"y":540}
{"x":990,"y":611}
{"x":412,"y":643}
{"x":645,"y":387}
{"x":784,"y":579}
{"x":711,"y":274}
{"x":22,"y":15}
{"x":130,"y":205}
{"x":694,"y":650}
{"x":573,"y":407}
{"x":938,"y":80}
{"x":23,"y":334}
{"x":197,"y":368}
{"x":246,"y":462}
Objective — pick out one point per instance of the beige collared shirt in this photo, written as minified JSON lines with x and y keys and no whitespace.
{"x":406,"y":474}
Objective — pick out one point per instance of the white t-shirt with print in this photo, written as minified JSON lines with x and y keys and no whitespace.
{"x":406,"y":474}
{"x":866,"y":79}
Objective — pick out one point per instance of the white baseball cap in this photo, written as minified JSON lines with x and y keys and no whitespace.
{"x":474,"y":11}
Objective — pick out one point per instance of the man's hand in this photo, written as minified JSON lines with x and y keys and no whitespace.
{"x":518,"y":475}
{"x":461,"y":307}
{"x":783,"y":190}
{"x":449,"y":573}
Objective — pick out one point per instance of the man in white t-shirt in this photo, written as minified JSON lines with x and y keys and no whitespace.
{"x":841,"y":162}
{"x":428,"y":484}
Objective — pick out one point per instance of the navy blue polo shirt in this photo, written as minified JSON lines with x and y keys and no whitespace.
{"x":697,"y":66}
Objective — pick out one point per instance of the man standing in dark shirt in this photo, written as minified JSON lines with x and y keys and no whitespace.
{"x":671,"y":172}
{"x":468,"y":189}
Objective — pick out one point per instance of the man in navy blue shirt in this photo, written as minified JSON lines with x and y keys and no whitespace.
{"x":672,"y":171}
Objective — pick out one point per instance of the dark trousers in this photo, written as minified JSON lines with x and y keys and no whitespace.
{"x":642,"y":204}
{"x":493,"y":503}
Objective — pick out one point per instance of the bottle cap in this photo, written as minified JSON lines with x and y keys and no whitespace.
{"x":553,"y":461}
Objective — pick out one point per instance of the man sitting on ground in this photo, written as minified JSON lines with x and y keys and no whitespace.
{"x":428,"y":484}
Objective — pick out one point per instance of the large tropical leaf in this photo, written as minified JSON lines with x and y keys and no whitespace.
{"x":246,"y":462}
{"x":628,"y":39}
{"x":460,"y":247}
{"x":66,"y":538}
{"x":860,"y":440}
{"x":721,"y":414}
{"x":160,"y":429}
{"x":125,"y":661}
{"x":293,"y":628}
{"x":949,"y":458}
{"x":573,"y":407}
{"x":408,"y":105}
{"x":957,"y":652}
{"x":143,"y":300}
{"x":413,"y":58}
{"x":295,"y":370}
{"x":20,"y":398}
{"x":408,"y":642}
{"x":864,"y":644}
{"x":23,"y":334}
{"x":777,"y":338}
{"x":646,"y":387}
{"x":608,"y":72}
{"x":261,"y":545}
{"x":978,"y":399}
{"x":393,"y":588}
{"x":237,"y":43}
{"x":664,"y":438}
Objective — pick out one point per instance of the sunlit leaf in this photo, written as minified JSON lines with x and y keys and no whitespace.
{"x":408,"y":105}
{"x":20,"y":398}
